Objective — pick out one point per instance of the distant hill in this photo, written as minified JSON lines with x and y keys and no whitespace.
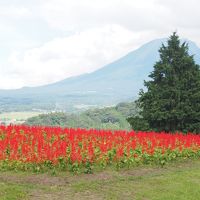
{"x":116,"y":82}
{"x":105,"y":118}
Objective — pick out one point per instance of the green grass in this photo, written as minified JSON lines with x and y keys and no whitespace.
{"x":177,"y":181}
{"x":9,"y":191}
{"x":183,"y":185}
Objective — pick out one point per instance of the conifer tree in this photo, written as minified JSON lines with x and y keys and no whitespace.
{"x":172,"y":100}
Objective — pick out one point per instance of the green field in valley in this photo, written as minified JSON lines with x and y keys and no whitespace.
{"x":17,"y":117}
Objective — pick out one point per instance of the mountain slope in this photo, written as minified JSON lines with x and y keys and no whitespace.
{"x":116,"y":82}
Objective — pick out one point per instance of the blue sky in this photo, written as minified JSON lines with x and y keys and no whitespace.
{"x":43,"y":41}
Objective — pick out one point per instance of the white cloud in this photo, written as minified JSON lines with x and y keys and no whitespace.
{"x":159,"y":16}
{"x":132,"y":14}
{"x":50,"y":40}
{"x":12,"y":12}
{"x":80,"y":53}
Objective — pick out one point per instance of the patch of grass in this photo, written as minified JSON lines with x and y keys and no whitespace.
{"x":173,"y":183}
{"x":9,"y":191}
{"x":180,"y":180}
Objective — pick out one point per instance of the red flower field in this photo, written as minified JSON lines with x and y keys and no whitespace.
{"x":38,"y":148}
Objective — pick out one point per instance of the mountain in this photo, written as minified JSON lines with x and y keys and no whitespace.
{"x":116,"y":82}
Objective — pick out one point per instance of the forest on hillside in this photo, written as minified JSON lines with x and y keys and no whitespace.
{"x":104,"y":118}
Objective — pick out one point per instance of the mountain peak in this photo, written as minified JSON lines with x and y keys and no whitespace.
{"x":115,"y":82}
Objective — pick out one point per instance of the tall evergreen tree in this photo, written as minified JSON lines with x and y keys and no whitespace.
{"x":172,"y":100}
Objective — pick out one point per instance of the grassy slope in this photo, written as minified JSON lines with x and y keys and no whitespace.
{"x":176,"y":181}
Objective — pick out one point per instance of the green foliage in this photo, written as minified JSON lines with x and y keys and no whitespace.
{"x":104,"y":118}
{"x":172,"y":100}
{"x":138,"y":123}
{"x":88,"y":168}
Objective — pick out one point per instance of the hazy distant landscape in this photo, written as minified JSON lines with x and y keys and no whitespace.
{"x":16,"y":117}
{"x":99,"y":100}
{"x":117,"y":82}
